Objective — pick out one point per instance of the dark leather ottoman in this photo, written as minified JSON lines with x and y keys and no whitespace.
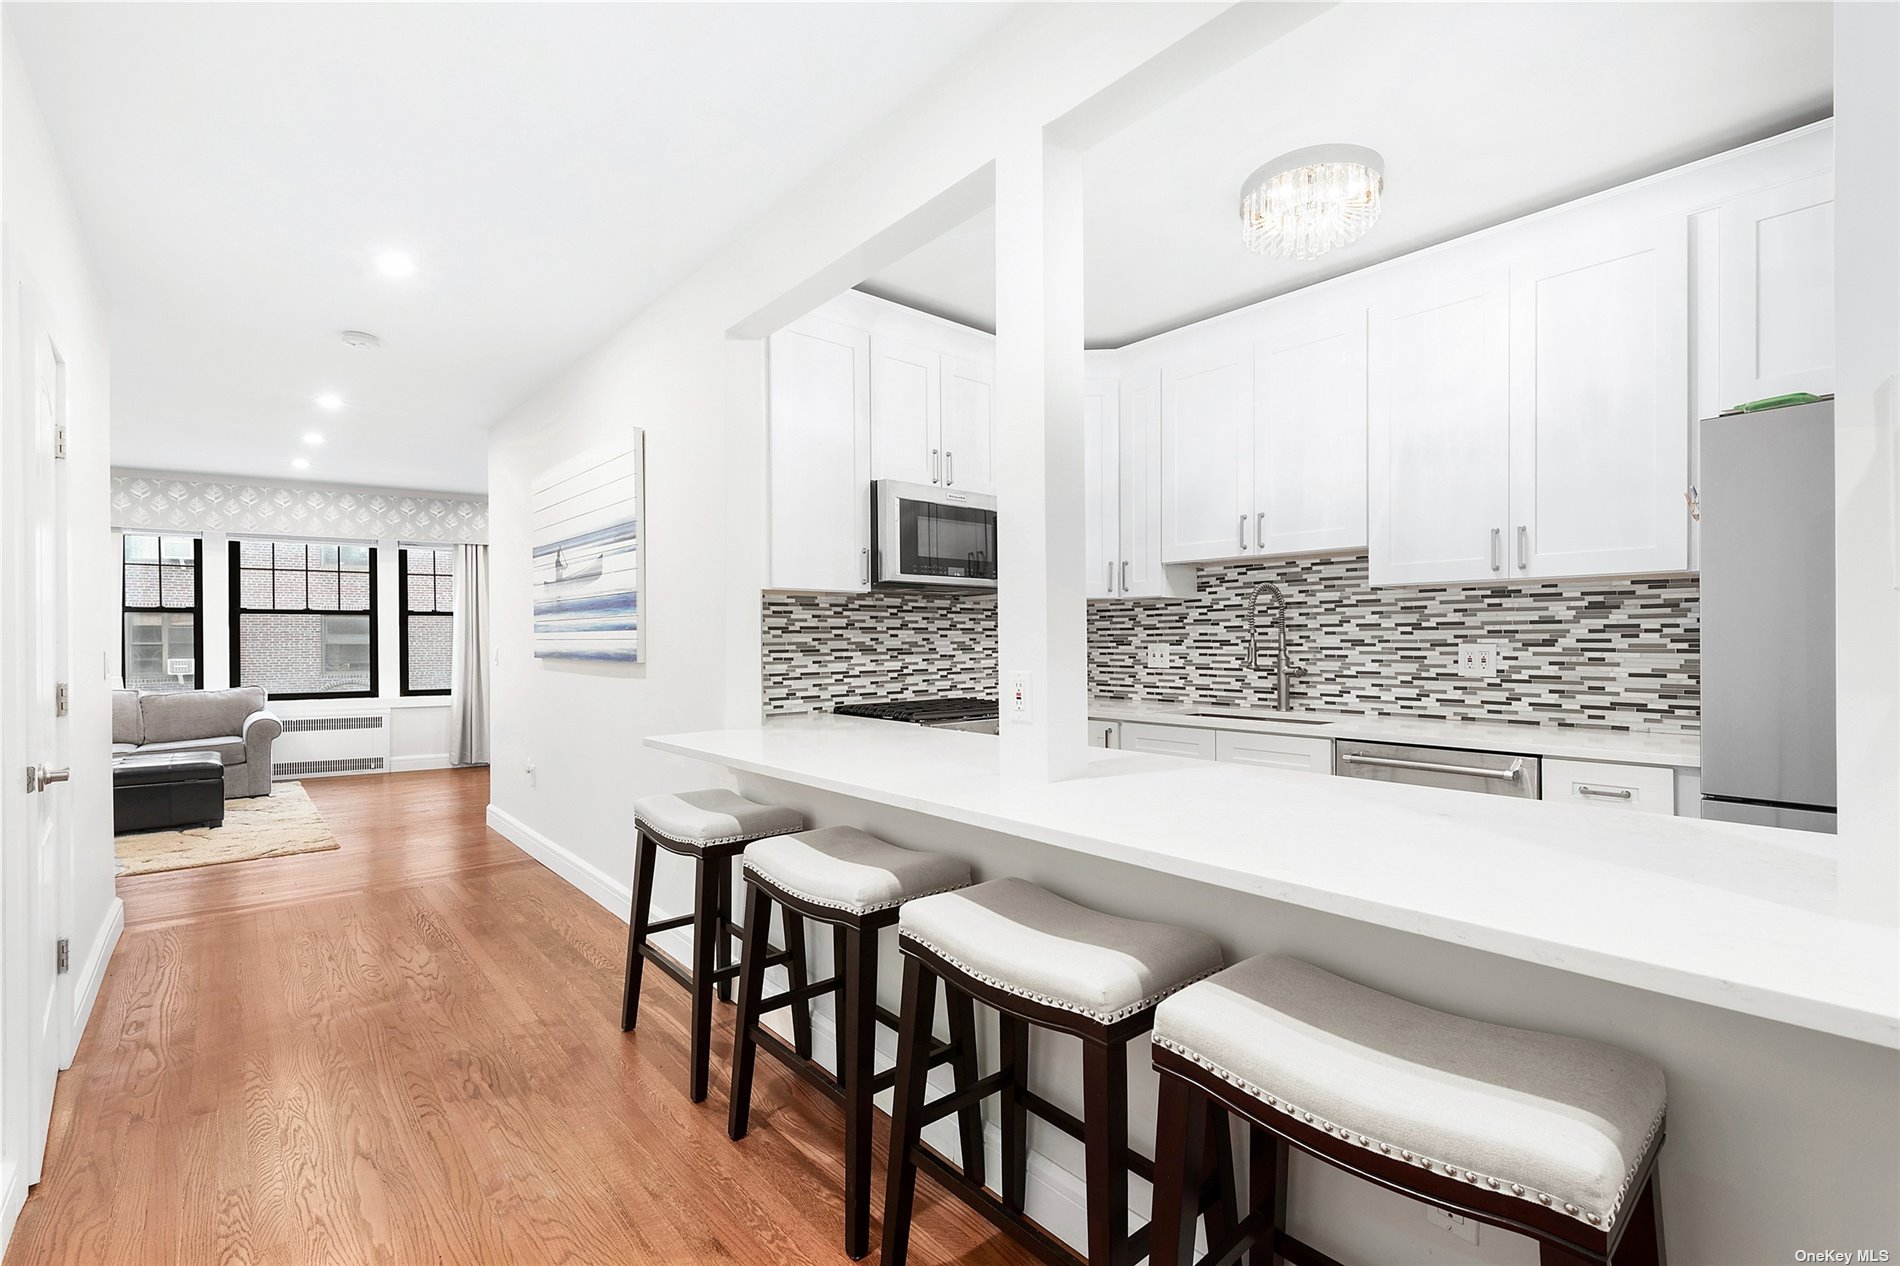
{"x":167,"y":790}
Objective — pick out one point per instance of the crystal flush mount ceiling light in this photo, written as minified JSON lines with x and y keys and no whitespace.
{"x":1312,"y":200}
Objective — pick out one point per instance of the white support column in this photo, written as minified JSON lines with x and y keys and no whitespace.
{"x":1042,"y":636}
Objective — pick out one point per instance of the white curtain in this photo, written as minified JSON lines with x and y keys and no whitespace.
{"x":468,"y":694}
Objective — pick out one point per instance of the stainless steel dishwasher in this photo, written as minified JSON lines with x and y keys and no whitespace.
{"x":1492,"y":773}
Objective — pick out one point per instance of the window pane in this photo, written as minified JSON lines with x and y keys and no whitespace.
{"x":355,"y":592}
{"x":353,"y":557}
{"x":176,"y":549}
{"x":421,"y":593}
{"x":254,"y":589}
{"x":323,"y":556}
{"x":141,"y":585}
{"x":175,"y":586}
{"x":304,"y":654}
{"x":322,"y":590}
{"x":345,"y":652}
{"x":290,"y":589}
{"x":159,"y":651}
{"x":141,"y":549}
{"x":445,"y":593}
{"x":445,"y":562}
{"x":288,"y":554}
{"x":254,"y":554}
{"x":428,"y":652}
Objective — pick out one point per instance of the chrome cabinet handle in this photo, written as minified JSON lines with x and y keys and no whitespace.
{"x":936,"y":466}
{"x":867,"y":564}
{"x":1602,"y":793}
{"x":1124,"y":575}
{"x":1512,"y":774}
{"x":1260,"y":530}
{"x":1111,"y":576}
{"x":1523,"y":547}
{"x":949,"y":468}
{"x":1497,"y":549}
{"x":1243,"y":531}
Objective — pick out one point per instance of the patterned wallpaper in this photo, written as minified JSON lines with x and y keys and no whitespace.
{"x":143,"y":500}
{"x":1613,"y":654}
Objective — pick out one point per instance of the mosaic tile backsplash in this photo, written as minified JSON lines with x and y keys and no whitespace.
{"x":1608,"y":654}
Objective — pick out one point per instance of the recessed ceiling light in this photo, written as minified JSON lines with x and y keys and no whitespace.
{"x":396,"y":264}
{"x":329,"y":400}
{"x":312,"y":438}
{"x":300,"y":463}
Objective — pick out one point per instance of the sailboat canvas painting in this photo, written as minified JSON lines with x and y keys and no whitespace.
{"x":585,"y":535}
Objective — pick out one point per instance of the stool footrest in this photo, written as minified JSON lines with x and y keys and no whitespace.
{"x":1024,"y":1231}
{"x":667,"y":925}
{"x":1071,"y":1125}
{"x":940,"y":1053}
{"x":971,"y":1095}
{"x":779,"y":1001}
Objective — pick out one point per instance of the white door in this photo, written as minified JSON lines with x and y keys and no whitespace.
{"x":905,"y":412}
{"x":1600,"y":405}
{"x":819,"y":393}
{"x":1438,"y":427}
{"x":1310,"y":427}
{"x":1778,"y":292}
{"x":1207,"y":452}
{"x":1101,"y":487}
{"x":35,"y":840}
{"x":1141,"y":573}
{"x":969,"y":425}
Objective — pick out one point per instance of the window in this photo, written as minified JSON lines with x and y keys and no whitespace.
{"x":303,"y":618}
{"x":161,"y":592}
{"x":428,"y":607}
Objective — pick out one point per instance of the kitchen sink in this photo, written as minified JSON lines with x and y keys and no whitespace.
{"x":1243,"y":714}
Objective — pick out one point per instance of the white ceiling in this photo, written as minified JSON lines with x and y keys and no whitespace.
{"x":553,"y":169}
{"x":1483,"y":112}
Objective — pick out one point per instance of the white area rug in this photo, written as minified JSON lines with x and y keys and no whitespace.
{"x":278,"y":825}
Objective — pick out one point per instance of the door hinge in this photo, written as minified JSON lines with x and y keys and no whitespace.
{"x":59,"y":441}
{"x":65,"y":956}
{"x":62,"y":699}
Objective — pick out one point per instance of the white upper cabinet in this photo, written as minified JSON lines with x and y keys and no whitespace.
{"x":1310,"y":425}
{"x":1600,"y":416}
{"x":1141,"y":573}
{"x":968,"y":416}
{"x":819,"y":394}
{"x":906,"y":411}
{"x":1438,"y":424}
{"x":1777,"y":292}
{"x":1207,"y":445}
{"x":1101,"y":487}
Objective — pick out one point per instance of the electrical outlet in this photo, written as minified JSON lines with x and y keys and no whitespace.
{"x":1480,"y":659}
{"x":1462,"y":1227}
{"x":1018,"y":702}
{"x":1158,"y":656}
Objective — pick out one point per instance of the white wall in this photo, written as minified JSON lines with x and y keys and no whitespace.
{"x":46,"y":244}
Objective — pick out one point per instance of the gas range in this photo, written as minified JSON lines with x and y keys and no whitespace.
{"x":978,"y":715}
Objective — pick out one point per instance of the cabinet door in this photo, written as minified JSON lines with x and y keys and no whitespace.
{"x":1778,"y":292}
{"x":1279,"y":751}
{"x":1600,"y":405}
{"x":819,"y":426}
{"x":1141,"y":574}
{"x":1167,"y":740}
{"x":1101,"y":490}
{"x":1310,"y":427}
{"x":1207,"y":453}
{"x":905,"y":412}
{"x":1438,"y":427}
{"x":969,"y":425}
{"x":1104,"y":734}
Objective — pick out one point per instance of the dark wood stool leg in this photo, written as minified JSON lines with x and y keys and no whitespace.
{"x":1105,"y":1147}
{"x":841,"y":955}
{"x":1549,"y":1254}
{"x":913,"y":1048}
{"x":1266,"y":1187}
{"x":1642,"y":1243}
{"x":751,"y":989}
{"x":723,"y":924}
{"x":964,"y":1068}
{"x":706,"y":939}
{"x":1013,"y":1034}
{"x":644,"y":852}
{"x":795,"y":972}
{"x":1217,"y":1167}
{"x":1180,"y":1145}
{"x":857,"y":1047}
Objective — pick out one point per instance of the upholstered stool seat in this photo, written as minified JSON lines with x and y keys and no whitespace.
{"x":713,"y":816}
{"x":1514,"y":1126}
{"x":1027,"y":941}
{"x":843,"y":868}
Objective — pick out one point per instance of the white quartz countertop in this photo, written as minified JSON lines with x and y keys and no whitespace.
{"x":1738,"y":917}
{"x":1629,"y":747}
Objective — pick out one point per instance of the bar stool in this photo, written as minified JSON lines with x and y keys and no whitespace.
{"x":711,"y":828}
{"x":1043,"y":961}
{"x":1553,"y":1137}
{"x":853,"y":883}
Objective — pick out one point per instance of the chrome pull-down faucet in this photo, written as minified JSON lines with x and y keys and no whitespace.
{"x":1283,"y":666}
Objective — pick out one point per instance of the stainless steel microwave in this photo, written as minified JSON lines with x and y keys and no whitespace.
{"x":928,"y":537}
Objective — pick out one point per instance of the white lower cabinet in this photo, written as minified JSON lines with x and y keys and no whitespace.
{"x":1105,"y":733}
{"x":1281,"y":751}
{"x":1168,"y":740}
{"x":1634,"y":788}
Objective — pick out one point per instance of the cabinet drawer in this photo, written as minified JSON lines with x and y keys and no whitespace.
{"x":1280,"y":751}
{"x":1104,"y":733}
{"x":1641,"y":788}
{"x":1167,"y":740}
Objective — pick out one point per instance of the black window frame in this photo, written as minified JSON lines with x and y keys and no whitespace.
{"x":239,"y":611}
{"x":197,"y":603}
{"x":402,"y":621}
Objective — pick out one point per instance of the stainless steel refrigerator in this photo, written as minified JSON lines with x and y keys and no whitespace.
{"x":1767,"y":502}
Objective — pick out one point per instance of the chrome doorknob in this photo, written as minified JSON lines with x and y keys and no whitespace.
{"x":39,"y":777}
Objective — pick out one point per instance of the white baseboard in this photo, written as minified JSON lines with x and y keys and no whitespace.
{"x":12,"y":1199}
{"x":404,"y":764}
{"x":92,"y":974}
{"x":1057,"y":1196}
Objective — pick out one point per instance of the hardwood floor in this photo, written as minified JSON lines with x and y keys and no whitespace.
{"x":408,"y":1051}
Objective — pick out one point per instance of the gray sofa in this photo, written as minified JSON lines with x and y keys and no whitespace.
{"x":236,"y":724}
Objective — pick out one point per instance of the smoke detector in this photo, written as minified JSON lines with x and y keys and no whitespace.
{"x":357,"y":338}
